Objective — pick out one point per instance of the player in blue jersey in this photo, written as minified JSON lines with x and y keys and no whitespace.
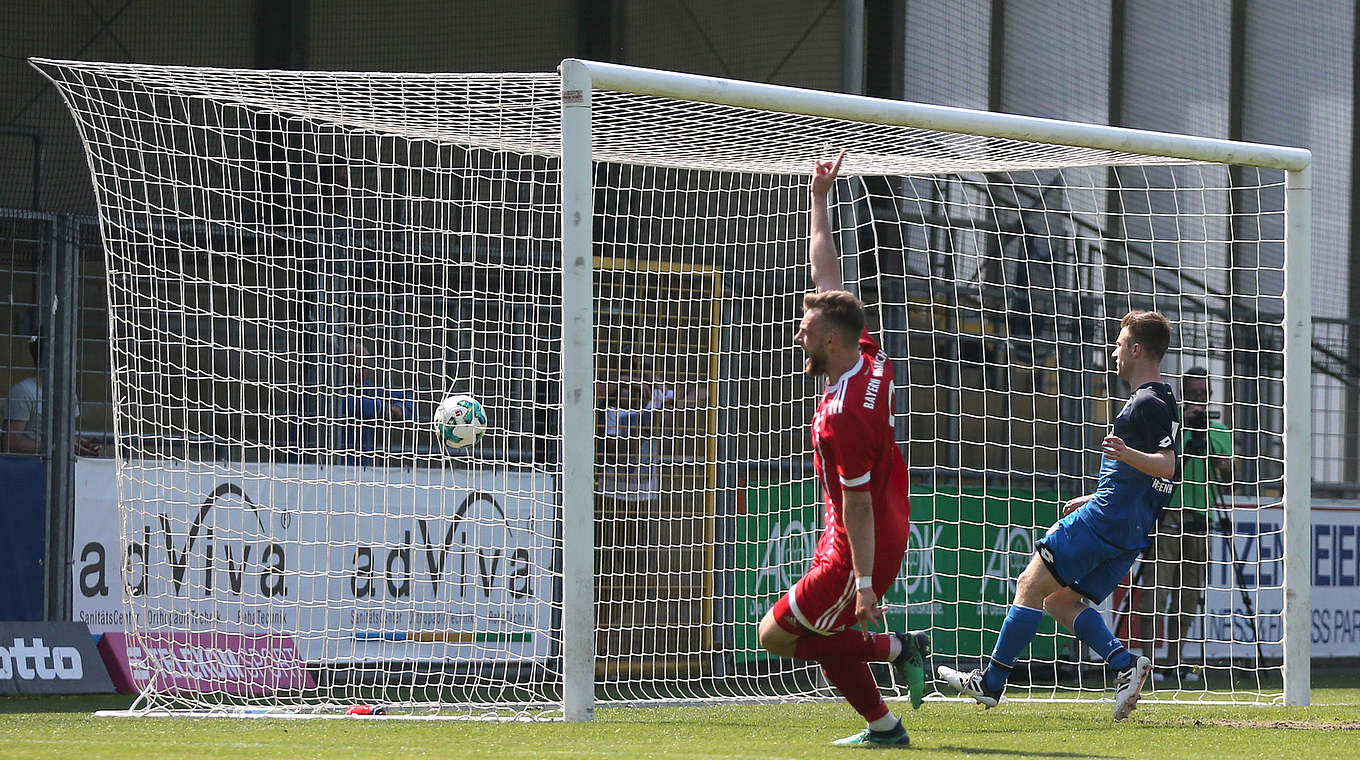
{"x":1084,"y":555}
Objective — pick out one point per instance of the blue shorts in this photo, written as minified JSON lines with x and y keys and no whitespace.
{"x":1083,"y":561}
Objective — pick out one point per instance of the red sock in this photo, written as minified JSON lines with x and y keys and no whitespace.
{"x":857,"y":685}
{"x":846,"y":646}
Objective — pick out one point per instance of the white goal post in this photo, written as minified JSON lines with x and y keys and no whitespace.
{"x":301,"y":264}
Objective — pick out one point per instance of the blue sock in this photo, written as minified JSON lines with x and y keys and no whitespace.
{"x":1016,"y":632}
{"x":1090,"y":627}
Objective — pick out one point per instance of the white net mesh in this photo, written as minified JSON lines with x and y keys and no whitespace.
{"x":301,"y":265}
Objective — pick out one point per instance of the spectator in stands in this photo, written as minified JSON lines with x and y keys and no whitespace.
{"x":365,"y":406}
{"x":629,"y":411}
{"x":1177,"y":561}
{"x":1032,"y":302}
{"x":25,"y":422}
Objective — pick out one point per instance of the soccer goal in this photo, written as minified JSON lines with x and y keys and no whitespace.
{"x":611,"y":259}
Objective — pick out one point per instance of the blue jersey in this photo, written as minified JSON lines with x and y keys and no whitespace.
{"x":1127,"y":501}
{"x":361,"y":411}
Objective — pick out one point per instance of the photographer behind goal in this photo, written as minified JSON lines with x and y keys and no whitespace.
{"x":1176,"y":564}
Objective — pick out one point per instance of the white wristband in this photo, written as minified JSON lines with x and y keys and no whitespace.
{"x":863,"y":582}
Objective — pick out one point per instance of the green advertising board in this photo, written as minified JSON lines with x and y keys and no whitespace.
{"x":966,"y":550}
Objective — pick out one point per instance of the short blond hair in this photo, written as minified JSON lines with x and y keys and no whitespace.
{"x":841,"y":308}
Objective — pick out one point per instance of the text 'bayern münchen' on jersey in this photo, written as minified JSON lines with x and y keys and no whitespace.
{"x":854,"y":450}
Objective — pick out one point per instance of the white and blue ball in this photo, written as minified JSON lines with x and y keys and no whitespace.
{"x":460,"y":421}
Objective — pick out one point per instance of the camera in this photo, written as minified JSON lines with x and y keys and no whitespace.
{"x":1196,"y":418}
{"x":1197,"y":430}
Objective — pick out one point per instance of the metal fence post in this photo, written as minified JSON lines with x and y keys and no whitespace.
{"x":61,"y":305}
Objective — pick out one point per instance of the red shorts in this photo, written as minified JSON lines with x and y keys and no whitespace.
{"x":823,"y":600}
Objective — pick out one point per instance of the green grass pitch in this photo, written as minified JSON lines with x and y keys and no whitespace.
{"x":38,"y":728}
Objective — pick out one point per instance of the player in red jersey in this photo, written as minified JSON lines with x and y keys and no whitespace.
{"x":864,"y":480}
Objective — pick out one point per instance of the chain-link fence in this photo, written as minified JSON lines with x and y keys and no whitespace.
{"x":30,"y":247}
{"x":54,"y":372}
{"x":1336,"y":406}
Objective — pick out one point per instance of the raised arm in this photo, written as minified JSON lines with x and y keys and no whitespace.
{"x":822,"y":253}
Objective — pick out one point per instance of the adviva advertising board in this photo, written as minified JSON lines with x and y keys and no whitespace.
{"x":353,"y":563}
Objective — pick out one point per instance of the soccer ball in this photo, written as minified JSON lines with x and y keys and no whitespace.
{"x":459,"y":421}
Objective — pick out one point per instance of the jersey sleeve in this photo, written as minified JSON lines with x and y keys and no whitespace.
{"x":1155,"y":428}
{"x":20,"y":403}
{"x":855,"y":449}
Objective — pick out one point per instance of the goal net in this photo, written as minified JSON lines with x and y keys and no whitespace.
{"x":302,"y":264}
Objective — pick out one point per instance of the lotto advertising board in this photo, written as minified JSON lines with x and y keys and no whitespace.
{"x":50,"y":658}
{"x":958,"y":580}
{"x":355,"y":564}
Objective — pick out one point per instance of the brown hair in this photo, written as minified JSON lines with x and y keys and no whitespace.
{"x":1150,"y":330}
{"x":840,"y":308}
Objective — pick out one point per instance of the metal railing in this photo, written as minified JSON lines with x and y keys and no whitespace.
{"x":1336,"y":407}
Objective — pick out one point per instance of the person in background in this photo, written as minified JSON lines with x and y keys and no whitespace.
{"x":1179,"y":556}
{"x":632,"y":408}
{"x":25,"y":419}
{"x":365,"y":406}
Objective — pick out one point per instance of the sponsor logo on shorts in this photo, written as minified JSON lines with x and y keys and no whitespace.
{"x":1045,"y":553}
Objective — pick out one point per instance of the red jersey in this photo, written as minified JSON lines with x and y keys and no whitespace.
{"x":854,"y":450}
